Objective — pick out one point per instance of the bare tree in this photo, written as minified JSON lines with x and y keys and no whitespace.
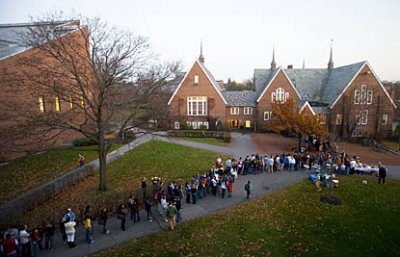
{"x":103,"y":75}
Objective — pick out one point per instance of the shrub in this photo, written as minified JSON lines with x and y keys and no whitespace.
{"x":227,"y":137}
{"x":84,"y":141}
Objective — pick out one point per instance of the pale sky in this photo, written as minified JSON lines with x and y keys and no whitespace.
{"x":239,"y":35}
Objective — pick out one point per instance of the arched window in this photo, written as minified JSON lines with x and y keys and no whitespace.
{"x":279,"y":95}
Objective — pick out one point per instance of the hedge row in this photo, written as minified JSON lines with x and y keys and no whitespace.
{"x":226,"y":136}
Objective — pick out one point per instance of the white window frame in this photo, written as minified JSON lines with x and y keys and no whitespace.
{"x":206,"y":124}
{"x":194,"y":125}
{"x":200,"y":102}
{"x":196,"y":79}
{"x":235,"y":110}
{"x":177,"y":125}
{"x":385,"y":118}
{"x":369,"y":96}
{"x":280,"y":95}
{"x":356,"y":96}
{"x":339,"y":117}
{"x":363,"y":94}
{"x":248,"y":110}
{"x":362,"y":118}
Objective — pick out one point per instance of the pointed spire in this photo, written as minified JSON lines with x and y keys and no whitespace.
{"x":304,"y":62}
{"x":273,"y":63}
{"x":330,"y":63}
{"x":201,"y":57}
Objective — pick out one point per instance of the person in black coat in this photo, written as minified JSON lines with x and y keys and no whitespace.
{"x":382,"y":173}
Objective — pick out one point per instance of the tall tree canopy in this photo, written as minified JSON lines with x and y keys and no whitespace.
{"x":288,"y":118}
{"x":105,"y":74}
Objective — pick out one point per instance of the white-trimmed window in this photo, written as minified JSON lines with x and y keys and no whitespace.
{"x":279,"y":95}
{"x":384,"y":119}
{"x":42,"y":106}
{"x":197,"y":105}
{"x":235,"y":110}
{"x":189,"y":124}
{"x":177,"y":125}
{"x":363,"y":94}
{"x":248,"y":124}
{"x":369,"y":96}
{"x":362,"y":119}
{"x":196,"y":79}
{"x":267,"y":115}
{"x":248,"y":110}
{"x":194,"y":125}
{"x":206,"y":124}
{"x":339,"y":119}
{"x":356,"y":96}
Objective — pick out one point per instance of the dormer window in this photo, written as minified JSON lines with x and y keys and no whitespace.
{"x":196,"y":79}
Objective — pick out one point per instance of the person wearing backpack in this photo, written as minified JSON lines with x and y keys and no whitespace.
{"x":248,"y":188}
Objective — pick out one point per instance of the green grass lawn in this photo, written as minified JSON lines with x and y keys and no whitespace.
{"x":165,"y":160}
{"x":31,"y":171}
{"x":207,"y":140}
{"x":291,"y":222}
{"x":395,"y":146}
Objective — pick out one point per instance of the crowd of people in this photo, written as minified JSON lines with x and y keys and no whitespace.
{"x":167,"y":198}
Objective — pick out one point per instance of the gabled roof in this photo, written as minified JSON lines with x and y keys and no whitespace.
{"x":262,"y":78}
{"x":241,"y":98}
{"x":362,"y":64}
{"x":338,"y":79}
{"x":270,"y":77}
{"x":306,"y":104}
{"x":318,"y":85}
{"x":11,"y":42}
{"x":209,"y":76}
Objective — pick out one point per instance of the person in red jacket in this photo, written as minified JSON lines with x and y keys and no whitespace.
{"x":10,"y":246}
{"x":230,"y":187}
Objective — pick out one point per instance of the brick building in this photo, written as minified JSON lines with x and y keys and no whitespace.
{"x":21,"y":95}
{"x":350,"y":100}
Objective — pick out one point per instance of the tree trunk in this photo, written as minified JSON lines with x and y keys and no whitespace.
{"x":299,"y":136}
{"x":102,"y":162}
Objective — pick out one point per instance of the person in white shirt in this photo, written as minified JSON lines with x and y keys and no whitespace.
{"x":24,"y":238}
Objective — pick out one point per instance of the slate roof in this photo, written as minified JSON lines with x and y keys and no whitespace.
{"x":318,"y":85}
{"x":11,"y":42}
{"x":262,"y":77}
{"x":241,"y":98}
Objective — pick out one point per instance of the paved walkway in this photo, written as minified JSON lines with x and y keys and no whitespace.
{"x":263,"y":184}
{"x":242,"y":145}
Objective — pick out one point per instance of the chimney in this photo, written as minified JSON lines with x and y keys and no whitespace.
{"x":290,"y":67}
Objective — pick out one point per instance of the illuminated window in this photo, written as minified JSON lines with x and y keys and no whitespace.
{"x":233,"y":123}
{"x":338,"y":119}
{"x":197,"y":105}
{"x":248,"y":124}
{"x":235,"y":110}
{"x":267,"y":115}
{"x":71,"y":104}
{"x":41,"y":104}
{"x":58,"y":106}
{"x":82,"y":102}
